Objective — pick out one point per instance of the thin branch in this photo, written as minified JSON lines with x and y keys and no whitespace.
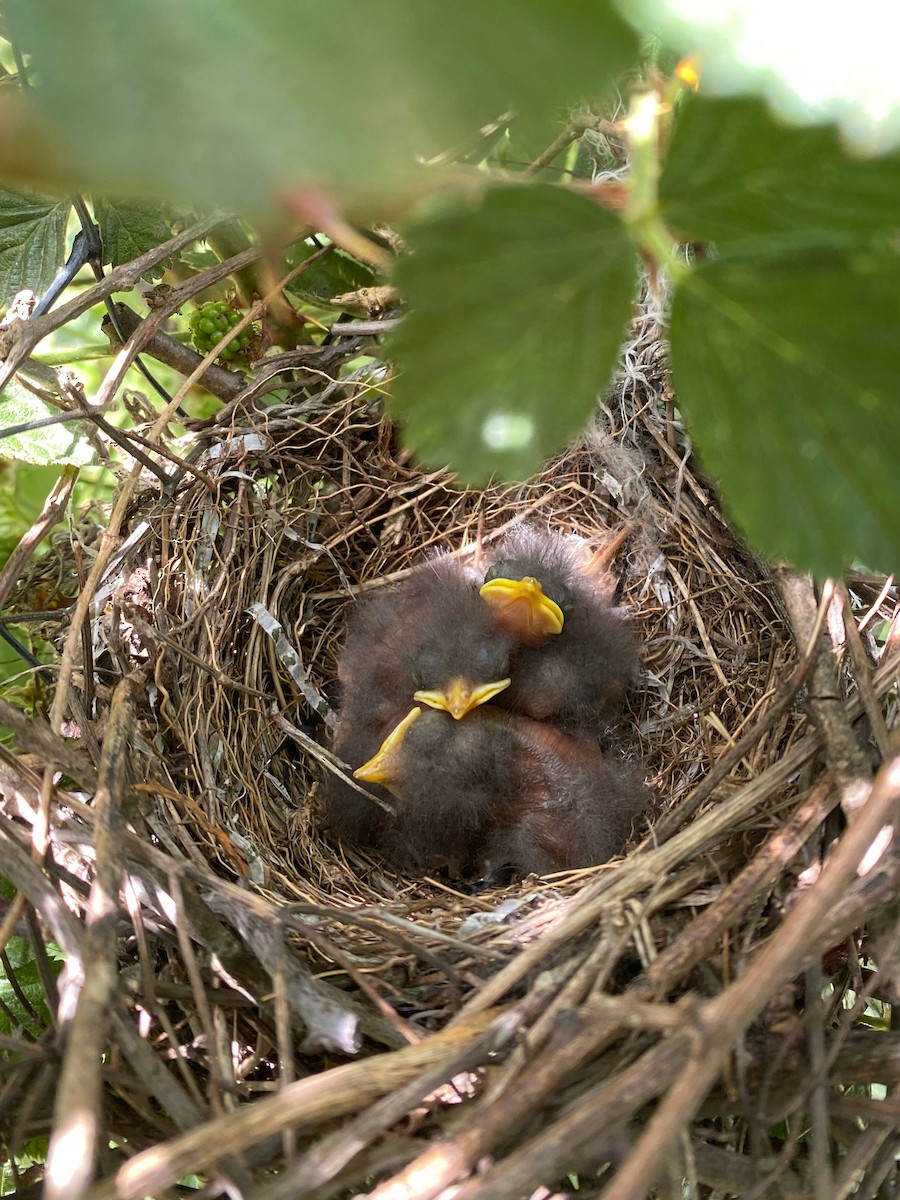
{"x":19,"y":339}
{"x":91,"y":982}
{"x":843,"y":752}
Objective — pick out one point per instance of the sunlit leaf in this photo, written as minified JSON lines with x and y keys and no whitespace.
{"x":733,"y":171}
{"x":199,"y":260}
{"x":518,"y":312}
{"x":229,"y":103}
{"x":59,"y":445}
{"x":32,"y":241}
{"x":810,"y":63}
{"x":786,"y":370}
{"x":23,"y":491}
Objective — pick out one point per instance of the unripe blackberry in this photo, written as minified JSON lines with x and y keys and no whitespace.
{"x":213,"y":319}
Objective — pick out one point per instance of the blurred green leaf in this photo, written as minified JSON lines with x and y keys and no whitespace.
{"x":32,"y":241}
{"x":199,"y":260}
{"x":329,"y":277}
{"x":129,"y":228}
{"x":233,"y":104}
{"x":786,"y":370}
{"x":732,"y":171}
{"x":23,"y":492}
{"x":518,"y":313}
{"x":20,"y":954}
{"x":58,"y":445}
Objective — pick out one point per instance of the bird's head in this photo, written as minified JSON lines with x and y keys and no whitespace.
{"x":428,"y":757}
{"x":460,"y":669}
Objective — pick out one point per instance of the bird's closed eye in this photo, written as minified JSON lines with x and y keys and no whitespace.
{"x":489,"y":662}
{"x":427,"y":669}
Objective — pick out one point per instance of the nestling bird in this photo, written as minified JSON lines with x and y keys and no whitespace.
{"x":430,"y":637}
{"x":576,"y":657}
{"x":446,"y":778}
{"x":498,"y":790}
{"x":573,"y":807}
{"x":432,"y":640}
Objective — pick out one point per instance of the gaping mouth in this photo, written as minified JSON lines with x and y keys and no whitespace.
{"x":523,"y":606}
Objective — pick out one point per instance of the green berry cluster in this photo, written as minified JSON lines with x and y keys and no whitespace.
{"x":211,"y":321}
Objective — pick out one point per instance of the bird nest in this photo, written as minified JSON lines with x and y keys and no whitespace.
{"x":697,"y":1006}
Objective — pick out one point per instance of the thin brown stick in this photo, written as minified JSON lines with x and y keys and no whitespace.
{"x":78,"y":1111}
{"x":325,"y":1096}
{"x":219,"y":381}
{"x":21,"y":338}
{"x":845,"y":756}
{"x":862,"y":673}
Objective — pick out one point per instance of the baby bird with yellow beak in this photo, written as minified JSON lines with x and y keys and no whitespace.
{"x":528,"y":628}
{"x":575,"y":657}
{"x":431,"y":641}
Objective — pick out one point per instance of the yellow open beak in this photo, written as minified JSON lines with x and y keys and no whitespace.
{"x":460,"y":697}
{"x":382,"y":766}
{"x":522,"y":604}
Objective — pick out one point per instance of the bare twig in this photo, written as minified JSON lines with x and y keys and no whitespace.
{"x":845,"y":756}
{"x":21,"y":338}
{"x":91,"y":982}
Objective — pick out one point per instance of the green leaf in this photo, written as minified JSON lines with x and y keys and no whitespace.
{"x":24,"y":966}
{"x":60,"y":445}
{"x":199,"y":260}
{"x":233,"y":104}
{"x":129,"y":228}
{"x":330,"y":276}
{"x":786,"y":370}
{"x":732,"y":172}
{"x":518,"y":312}
{"x":32,"y":241}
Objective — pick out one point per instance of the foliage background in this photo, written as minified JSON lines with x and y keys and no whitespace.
{"x":519,"y":292}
